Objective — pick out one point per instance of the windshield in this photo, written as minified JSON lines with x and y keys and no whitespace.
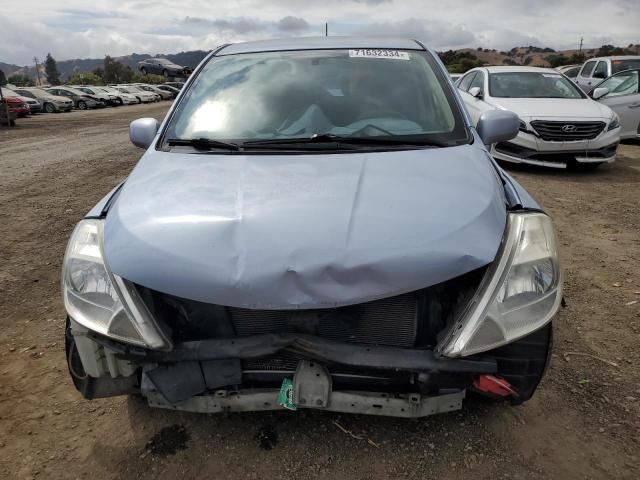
{"x":532,"y":85}
{"x":298,"y":94}
{"x":163,"y":61}
{"x":75,"y":91}
{"x":9,"y":93}
{"x":39,"y":93}
{"x":131,"y":88}
{"x":620,"y":65}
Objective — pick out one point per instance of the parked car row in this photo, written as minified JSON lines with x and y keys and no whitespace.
{"x":23,"y":101}
{"x":560,"y":124}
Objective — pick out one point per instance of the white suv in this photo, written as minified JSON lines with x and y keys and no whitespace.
{"x":597,"y":69}
{"x":559,"y":124}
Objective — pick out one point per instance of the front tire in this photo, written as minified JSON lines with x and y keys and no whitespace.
{"x":49,"y":108}
{"x":165,"y":73}
{"x":82,"y":105}
{"x":139,"y":100}
{"x":143,"y":70}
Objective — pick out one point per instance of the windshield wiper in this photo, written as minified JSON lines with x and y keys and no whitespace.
{"x":331,"y":138}
{"x":203,"y":143}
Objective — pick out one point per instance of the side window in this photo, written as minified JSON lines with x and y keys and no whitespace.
{"x":622,"y":84}
{"x":466,"y":81}
{"x":601,"y":70}
{"x":478,"y":81}
{"x":587,"y":69}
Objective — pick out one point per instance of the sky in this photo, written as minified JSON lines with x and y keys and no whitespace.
{"x":92,"y":29}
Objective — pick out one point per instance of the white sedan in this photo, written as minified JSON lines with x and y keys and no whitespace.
{"x":621,"y":93}
{"x":559,"y":124}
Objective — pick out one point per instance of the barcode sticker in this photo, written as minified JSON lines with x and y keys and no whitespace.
{"x":378,"y":53}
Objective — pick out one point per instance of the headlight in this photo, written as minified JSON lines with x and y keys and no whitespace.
{"x":519,"y":294}
{"x":614,"y":123}
{"x":99,"y":300}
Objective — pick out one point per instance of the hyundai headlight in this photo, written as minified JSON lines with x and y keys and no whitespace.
{"x":520,"y":292}
{"x":614,"y":123}
{"x":99,"y":300}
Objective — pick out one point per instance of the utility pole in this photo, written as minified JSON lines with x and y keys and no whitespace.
{"x":580,"y":49}
{"x":326,"y":29}
{"x":35,"y":59}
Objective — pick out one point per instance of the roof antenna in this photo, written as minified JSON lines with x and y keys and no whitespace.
{"x":326,"y":29}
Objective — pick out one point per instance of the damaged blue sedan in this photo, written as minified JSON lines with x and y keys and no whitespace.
{"x":315,"y":224}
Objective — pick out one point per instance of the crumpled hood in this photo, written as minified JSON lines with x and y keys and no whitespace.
{"x":302,"y":231}
{"x":564,"y":108}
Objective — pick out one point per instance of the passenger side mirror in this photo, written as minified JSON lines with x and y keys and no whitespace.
{"x":476,"y":92}
{"x":599,"y":93}
{"x":497,"y":126}
{"x":142,"y":131}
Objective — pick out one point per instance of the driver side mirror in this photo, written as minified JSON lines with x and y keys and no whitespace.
{"x":599,"y":93}
{"x":142,"y":131}
{"x":476,"y":92}
{"x":498,"y":126}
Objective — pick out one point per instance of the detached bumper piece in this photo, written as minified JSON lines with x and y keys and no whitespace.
{"x":312,"y":388}
{"x":558,"y":157}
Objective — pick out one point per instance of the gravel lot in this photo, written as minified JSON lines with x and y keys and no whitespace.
{"x":584,"y":421}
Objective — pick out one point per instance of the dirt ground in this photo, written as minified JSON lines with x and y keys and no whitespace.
{"x":584,"y":421}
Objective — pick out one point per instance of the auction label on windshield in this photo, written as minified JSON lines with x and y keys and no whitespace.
{"x":378,"y":53}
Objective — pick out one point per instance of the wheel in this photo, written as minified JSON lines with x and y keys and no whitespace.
{"x":165,"y":73}
{"x":143,"y":70}
{"x":120,"y":102}
{"x":49,"y":108}
{"x":139,"y":99}
{"x":82,"y":105}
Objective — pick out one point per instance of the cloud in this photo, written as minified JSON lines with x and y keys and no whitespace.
{"x":238,"y":25}
{"x":292,"y":24}
{"x":119,"y":27}
{"x":372,"y":2}
{"x":434,"y":33}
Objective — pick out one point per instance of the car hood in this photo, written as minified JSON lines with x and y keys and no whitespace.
{"x":554,"y":107}
{"x":292,"y":231}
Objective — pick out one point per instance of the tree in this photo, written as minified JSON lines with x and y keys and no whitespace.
{"x":51,"y":70}
{"x":3,"y":79}
{"x":116,"y":72}
{"x":88,"y":78}
{"x":20,"y":80}
{"x":149,"y":78}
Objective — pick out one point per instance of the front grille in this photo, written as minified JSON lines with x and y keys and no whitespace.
{"x":389,"y":321}
{"x":567,"y":131}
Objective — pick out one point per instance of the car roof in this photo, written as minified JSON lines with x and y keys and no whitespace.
{"x":615,"y":57}
{"x":313,"y":43}
{"x":521,"y":69}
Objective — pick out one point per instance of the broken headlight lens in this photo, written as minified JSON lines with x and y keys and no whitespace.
{"x":519,"y":294}
{"x":99,"y":300}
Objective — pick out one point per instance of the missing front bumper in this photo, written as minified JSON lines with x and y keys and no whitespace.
{"x":312,"y":388}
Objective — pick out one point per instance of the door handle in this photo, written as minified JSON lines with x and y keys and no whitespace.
{"x":634,"y":105}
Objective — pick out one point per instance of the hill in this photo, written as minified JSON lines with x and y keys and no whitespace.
{"x":82,"y":65}
{"x":458,"y":61}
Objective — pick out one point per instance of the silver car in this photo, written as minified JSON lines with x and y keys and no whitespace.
{"x":621,"y":93}
{"x":315,"y":224}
